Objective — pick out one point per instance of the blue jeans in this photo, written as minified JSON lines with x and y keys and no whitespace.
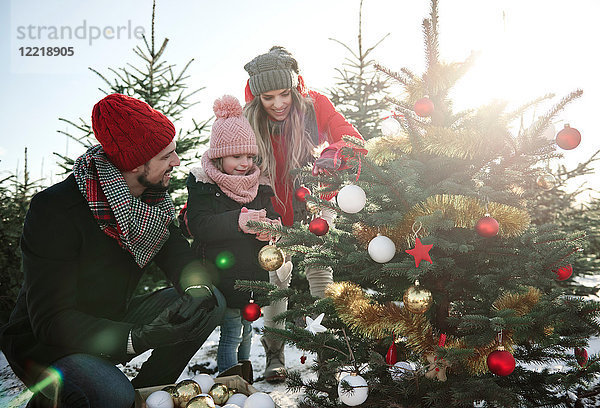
{"x":235,"y":341}
{"x":90,"y":381}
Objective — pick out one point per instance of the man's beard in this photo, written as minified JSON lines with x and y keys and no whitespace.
{"x":160,"y":186}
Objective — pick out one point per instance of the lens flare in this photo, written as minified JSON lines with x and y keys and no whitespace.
{"x":225,"y":260}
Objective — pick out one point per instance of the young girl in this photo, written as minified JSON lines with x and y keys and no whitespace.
{"x":290,"y":121}
{"x":223,"y":195}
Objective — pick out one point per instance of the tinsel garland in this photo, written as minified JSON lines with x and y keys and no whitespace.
{"x":464,"y":211}
{"x":387,"y":148}
{"x":465,"y":143}
{"x":375,"y":320}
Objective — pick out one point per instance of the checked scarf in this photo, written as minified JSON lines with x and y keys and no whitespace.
{"x":140,"y":225}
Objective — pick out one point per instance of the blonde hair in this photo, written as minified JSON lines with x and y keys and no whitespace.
{"x":218,"y":162}
{"x":293,"y":130}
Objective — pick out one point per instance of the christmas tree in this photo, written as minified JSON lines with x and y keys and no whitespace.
{"x":451,"y":288}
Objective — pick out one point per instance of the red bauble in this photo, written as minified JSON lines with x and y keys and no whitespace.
{"x":501,"y":362}
{"x":423,"y":107}
{"x":564,"y":272}
{"x":581,"y":355}
{"x":251,"y":311}
{"x":487,"y":227}
{"x":318,"y":226}
{"x":392,"y":355}
{"x":301,"y":193}
{"x":568,"y":138}
{"x":303,"y":359}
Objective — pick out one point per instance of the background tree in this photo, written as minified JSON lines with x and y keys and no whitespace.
{"x":158,"y":84}
{"x":360,"y":90}
{"x":465,"y":185}
{"x":15,"y":193}
{"x":154,"y":81}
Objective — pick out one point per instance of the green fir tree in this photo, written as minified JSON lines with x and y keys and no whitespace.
{"x":16,"y":191}
{"x":360,"y":90}
{"x":157,"y":83}
{"x":438,"y":180}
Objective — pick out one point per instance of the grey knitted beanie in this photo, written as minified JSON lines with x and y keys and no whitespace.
{"x":276,"y":69}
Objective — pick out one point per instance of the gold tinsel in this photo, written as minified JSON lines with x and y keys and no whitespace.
{"x":465,"y":143}
{"x":522,"y":303}
{"x":385,"y":149}
{"x":377,"y":321}
{"x":464,"y":211}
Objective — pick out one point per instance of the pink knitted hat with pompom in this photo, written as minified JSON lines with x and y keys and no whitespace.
{"x":231,"y":132}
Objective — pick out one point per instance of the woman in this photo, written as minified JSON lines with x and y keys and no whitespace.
{"x":290,"y":122}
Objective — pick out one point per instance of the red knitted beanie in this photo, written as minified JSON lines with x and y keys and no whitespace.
{"x":130,"y":131}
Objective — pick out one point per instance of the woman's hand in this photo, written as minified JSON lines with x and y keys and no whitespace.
{"x":326,"y":162}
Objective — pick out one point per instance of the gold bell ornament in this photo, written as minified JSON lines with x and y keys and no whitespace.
{"x":219,"y":393}
{"x":201,"y":401}
{"x":186,"y":390}
{"x":417,"y":299}
{"x":270,"y":257}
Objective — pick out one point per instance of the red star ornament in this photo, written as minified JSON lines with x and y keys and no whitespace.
{"x":420,"y":252}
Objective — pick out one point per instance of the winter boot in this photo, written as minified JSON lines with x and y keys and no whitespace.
{"x":235,"y":370}
{"x":247,"y":372}
{"x":275,"y":370}
{"x":318,"y":279}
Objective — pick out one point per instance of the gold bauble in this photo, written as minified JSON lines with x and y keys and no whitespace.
{"x":312,"y":207}
{"x":201,"y":401}
{"x":549,"y":330}
{"x":270,"y":258}
{"x":219,"y":393}
{"x":546,"y":182}
{"x":171,"y":389}
{"x":417,"y":299}
{"x":231,"y":392}
{"x":186,"y":390}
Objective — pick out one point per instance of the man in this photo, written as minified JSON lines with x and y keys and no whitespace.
{"x":86,"y":242}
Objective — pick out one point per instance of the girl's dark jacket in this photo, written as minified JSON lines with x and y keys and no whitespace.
{"x":228,"y":253}
{"x":78,"y":284}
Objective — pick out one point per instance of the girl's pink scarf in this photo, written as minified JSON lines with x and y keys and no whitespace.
{"x":241,"y":189}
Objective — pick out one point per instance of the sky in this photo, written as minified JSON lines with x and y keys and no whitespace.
{"x":528,"y":48}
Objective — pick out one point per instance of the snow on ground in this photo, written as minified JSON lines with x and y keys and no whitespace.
{"x":14,"y":395}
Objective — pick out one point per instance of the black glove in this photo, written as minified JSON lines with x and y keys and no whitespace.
{"x":196,"y":297}
{"x":182,"y":321}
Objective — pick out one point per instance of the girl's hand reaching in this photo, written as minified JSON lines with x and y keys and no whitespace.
{"x":267,"y":236}
{"x":250,"y":215}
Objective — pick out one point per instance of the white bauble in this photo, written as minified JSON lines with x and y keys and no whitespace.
{"x":160,"y":399}
{"x":259,"y":400}
{"x":401,"y":369}
{"x":205,"y":382}
{"x":381,"y":249}
{"x":390,"y":127}
{"x":231,"y":406}
{"x":237,"y":399}
{"x":359,"y":393}
{"x":351,"y":199}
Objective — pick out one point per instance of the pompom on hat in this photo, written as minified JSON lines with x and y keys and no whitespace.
{"x":276,"y":69}
{"x":231,"y":133}
{"x":130,"y":131}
